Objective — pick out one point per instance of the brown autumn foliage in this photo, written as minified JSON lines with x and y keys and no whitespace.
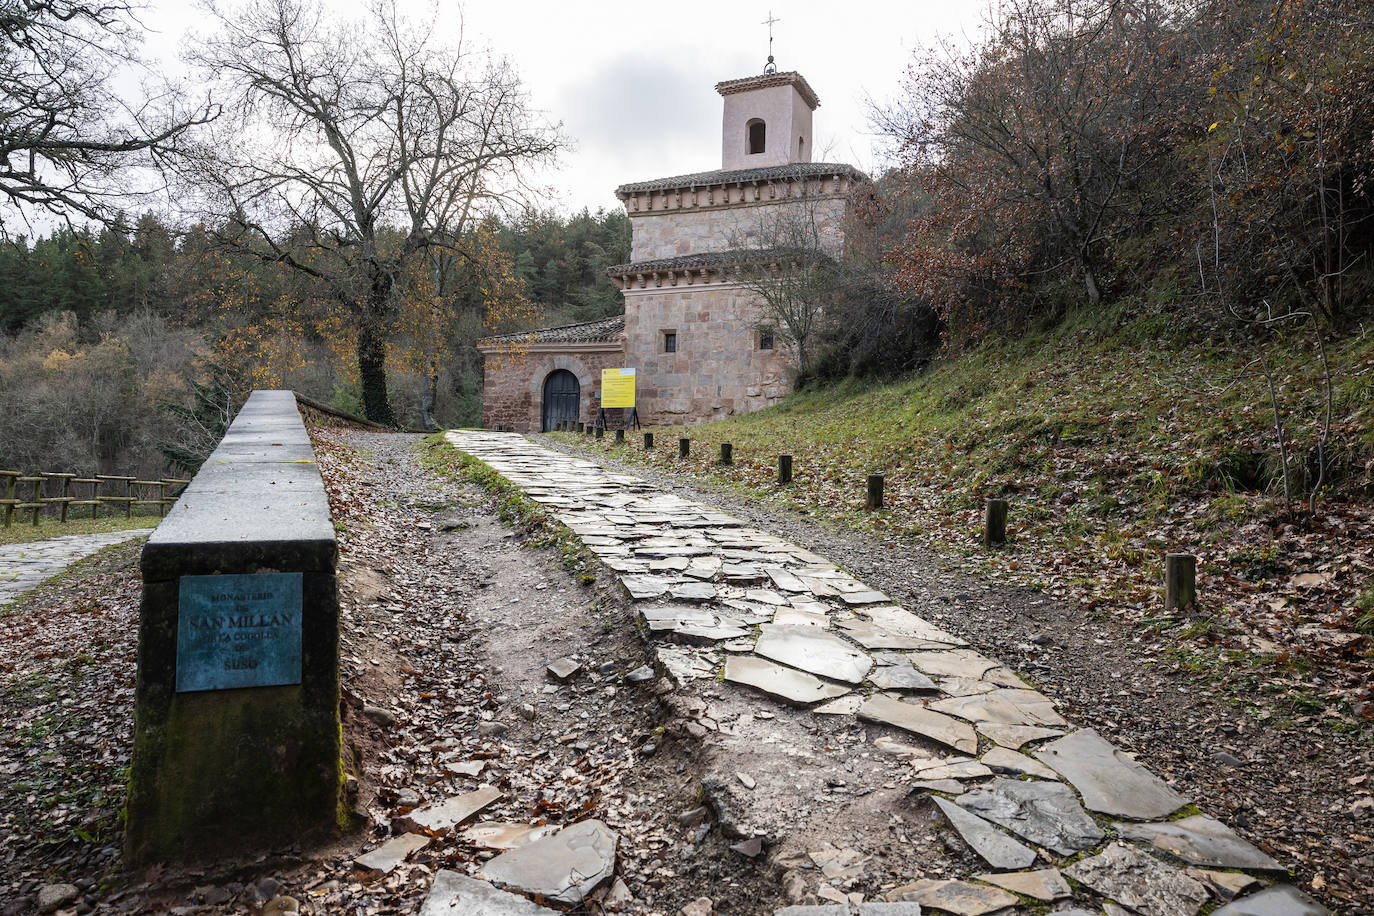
{"x":1214,"y":153}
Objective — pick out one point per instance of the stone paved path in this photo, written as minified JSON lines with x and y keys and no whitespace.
{"x":22,"y":566}
{"x":1038,"y":799}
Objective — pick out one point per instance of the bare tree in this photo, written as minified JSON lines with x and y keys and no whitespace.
{"x":354,"y":148}
{"x":66,"y":136}
{"x":787,"y":258}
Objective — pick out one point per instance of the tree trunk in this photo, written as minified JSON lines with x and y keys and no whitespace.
{"x":372,"y":373}
{"x":430,"y":395}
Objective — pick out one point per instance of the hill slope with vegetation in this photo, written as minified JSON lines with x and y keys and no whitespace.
{"x":1115,"y":445}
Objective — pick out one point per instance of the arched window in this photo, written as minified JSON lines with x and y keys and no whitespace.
{"x":757,"y":132}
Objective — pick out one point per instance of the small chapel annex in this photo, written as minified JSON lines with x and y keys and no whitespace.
{"x":695,"y":335}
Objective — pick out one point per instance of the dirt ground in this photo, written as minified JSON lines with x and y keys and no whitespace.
{"x":449,"y":624}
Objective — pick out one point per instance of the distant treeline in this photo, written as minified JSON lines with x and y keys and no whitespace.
{"x":102,"y":326}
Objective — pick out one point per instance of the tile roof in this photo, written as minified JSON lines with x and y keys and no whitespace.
{"x":603,"y":329}
{"x":765,"y":80}
{"x":765,"y":173}
{"x":710,"y":259}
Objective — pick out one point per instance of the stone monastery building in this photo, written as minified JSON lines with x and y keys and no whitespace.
{"x":693,"y":331}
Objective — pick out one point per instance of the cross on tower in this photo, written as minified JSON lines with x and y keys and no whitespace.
{"x":770,"y":67}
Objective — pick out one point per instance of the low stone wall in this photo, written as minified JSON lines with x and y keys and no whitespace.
{"x":513,"y":384}
{"x":237,"y":739}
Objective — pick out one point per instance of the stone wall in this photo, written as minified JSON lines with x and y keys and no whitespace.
{"x":671,"y":233}
{"x":513,"y":384}
{"x":718,"y":370}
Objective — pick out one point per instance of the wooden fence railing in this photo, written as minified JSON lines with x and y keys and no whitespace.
{"x":161,"y":493}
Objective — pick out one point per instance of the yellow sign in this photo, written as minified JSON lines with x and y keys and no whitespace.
{"x":617,"y":388}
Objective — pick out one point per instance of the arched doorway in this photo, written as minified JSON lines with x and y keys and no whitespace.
{"x":562,"y":399}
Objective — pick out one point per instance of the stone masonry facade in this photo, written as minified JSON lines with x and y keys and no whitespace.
{"x":697,"y":336}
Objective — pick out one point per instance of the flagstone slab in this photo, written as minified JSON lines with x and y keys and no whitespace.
{"x":764,"y":596}
{"x":392,"y":853}
{"x":812,"y":650}
{"x":844,"y":706}
{"x":1140,"y":881}
{"x":449,"y":813}
{"x":994,"y":846}
{"x":1109,"y":781}
{"x":899,"y":677}
{"x":452,"y":894}
{"x":785,"y":580}
{"x":1012,"y":736}
{"x":792,"y":617}
{"x":953,"y":663}
{"x":1280,"y":900}
{"x":503,"y":835}
{"x":1005,"y":706}
{"x":920,"y":721}
{"x":779,"y":681}
{"x":1002,"y":760}
{"x":641,"y":587}
{"x":564,"y":867}
{"x":872,"y":636}
{"x":692,"y":591}
{"x":864,"y":597}
{"x":958,"y":897}
{"x":1046,"y":813}
{"x":683,"y":664}
{"x":902,"y":622}
{"x":965,"y":687}
{"x":1044,"y":884}
{"x":953,"y":768}
{"x":1201,"y":840}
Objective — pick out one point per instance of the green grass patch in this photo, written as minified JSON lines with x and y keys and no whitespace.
{"x":21,"y":532}
{"x":513,"y":507}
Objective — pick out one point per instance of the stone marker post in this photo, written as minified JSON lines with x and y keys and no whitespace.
{"x":875,"y":492}
{"x":995,"y":522}
{"x":648,"y":441}
{"x":727,"y":453}
{"x":236,"y":715}
{"x":784,"y":469}
{"x":684,"y":447}
{"x":1180,"y":582}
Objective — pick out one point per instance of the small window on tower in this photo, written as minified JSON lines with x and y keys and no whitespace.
{"x":765,"y":340}
{"x":801,"y":145}
{"x":670,"y":341}
{"x":757,"y":134}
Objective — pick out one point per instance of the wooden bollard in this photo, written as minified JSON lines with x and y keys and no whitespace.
{"x":581,"y":427}
{"x":784,"y":469}
{"x":1180,"y":582}
{"x":995,"y":522}
{"x":648,"y":441}
{"x":684,"y":446}
{"x":620,"y":437}
{"x":727,"y":453}
{"x":600,"y":432}
{"x":875,"y":492}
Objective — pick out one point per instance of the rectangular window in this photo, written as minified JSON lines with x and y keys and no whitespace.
{"x":765,"y":340}
{"x":670,"y":341}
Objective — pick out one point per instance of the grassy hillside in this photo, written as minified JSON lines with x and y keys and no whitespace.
{"x":1115,"y":446}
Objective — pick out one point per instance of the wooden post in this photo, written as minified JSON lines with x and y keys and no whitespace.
{"x":1180,"y":582}
{"x":784,"y":469}
{"x":600,"y":431}
{"x":581,"y":427}
{"x":161,"y":500}
{"x":648,"y":441}
{"x":128,"y":497}
{"x":37,"y":499}
{"x":875,"y":492}
{"x":727,"y":453}
{"x":9,"y":497}
{"x":683,"y":447}
{"x":66,"y":494}
{"x":95,"y":497}
{"x":620,"y":437}
{"x":995,"y":522}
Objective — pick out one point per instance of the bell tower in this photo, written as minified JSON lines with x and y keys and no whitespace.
{"x":767,"y":120}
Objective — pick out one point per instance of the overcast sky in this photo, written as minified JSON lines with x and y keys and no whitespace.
{"x":632,"y":82}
